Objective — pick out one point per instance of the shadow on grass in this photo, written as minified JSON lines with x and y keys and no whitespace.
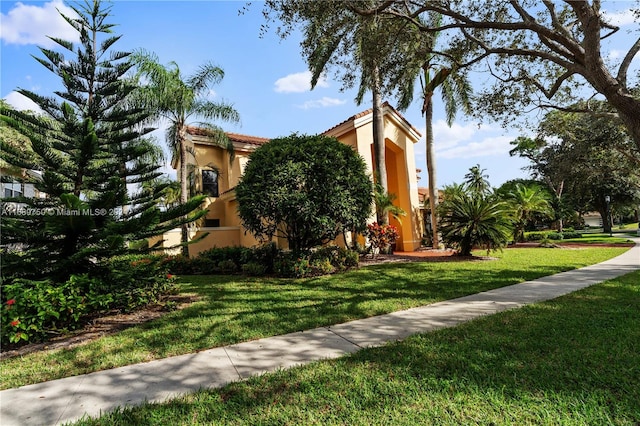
{"x":572,"y":360}
{"x":236,"y":309}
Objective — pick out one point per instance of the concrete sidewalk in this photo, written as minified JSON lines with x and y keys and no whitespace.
{"x":65,"y":400}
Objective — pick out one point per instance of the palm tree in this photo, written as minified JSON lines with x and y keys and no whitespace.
{"x":470,"y":219}
{"x":476,"y":181}
{"x":527,"y":201}
{"x":384,"y":204}
{"x":455,"y":90}
{"x":369,"y":42}
{"x":176,"y":98}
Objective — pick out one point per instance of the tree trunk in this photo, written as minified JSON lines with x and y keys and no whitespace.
{"x":431,"y":171}
{"x":628,"y":108}
{"x":378,"y":141}
{"x":184,"y":187}
{"x":606,"y":220}
{"x":559,"y":196}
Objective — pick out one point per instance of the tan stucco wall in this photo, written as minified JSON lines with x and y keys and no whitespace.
{"x":217,"y":237}
{"x":401,"y":175}
{"x":401,"y":171}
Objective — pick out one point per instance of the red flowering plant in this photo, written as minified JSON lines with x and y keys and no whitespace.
{"x":12,"y":327}
{"x":381,"y":237}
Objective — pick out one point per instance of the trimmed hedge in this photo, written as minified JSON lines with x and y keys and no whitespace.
{"x":551,"y":235}
{"x":264,"y":260}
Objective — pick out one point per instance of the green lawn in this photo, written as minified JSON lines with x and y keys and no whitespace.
{"x":574,"y":360}
{"x":236,"y":308}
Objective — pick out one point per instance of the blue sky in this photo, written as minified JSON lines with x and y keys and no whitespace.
{"x":265,"y":78}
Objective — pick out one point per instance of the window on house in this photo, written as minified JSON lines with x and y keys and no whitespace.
{"x":210,"y":183}
{"x":212,"y":223}
{"x":13,"y":189}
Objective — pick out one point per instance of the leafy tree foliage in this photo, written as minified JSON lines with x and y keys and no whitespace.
{"x":87,"y":147}
{"x":526,"y":201}
{"x":477,"y":182}
{"x":541,"y":53}
{"x":307,"y":189}
{"x":384,"y":203}
{"x":472,"y":215}
{"x":580,"y":154}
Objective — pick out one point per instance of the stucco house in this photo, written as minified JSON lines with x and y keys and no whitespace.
{"x":218,"y":177}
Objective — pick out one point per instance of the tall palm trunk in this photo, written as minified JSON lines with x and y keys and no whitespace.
{"x":378,"y":140}
{"x":427,"y":110}
{"x":184,"y":186}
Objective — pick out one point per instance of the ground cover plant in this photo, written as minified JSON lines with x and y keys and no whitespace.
{"x":572,"y":360}
{"x":584,"y":238}
{"x":239,"y":308}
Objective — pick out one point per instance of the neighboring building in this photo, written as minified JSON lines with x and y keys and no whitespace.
{"x":425,"y":209}
{"x":13,"y":184}
{"x":592,"y":219}
{"x":219,"y":177}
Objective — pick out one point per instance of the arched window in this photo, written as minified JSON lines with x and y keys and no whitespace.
{"x":210,"y":183}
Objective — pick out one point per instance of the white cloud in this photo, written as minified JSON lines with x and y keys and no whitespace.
{"x":616,"y":54}
{"x":619,"y":18}
{"x":28,"y":24}
{"x":21,"y":102}
{"x":446,"y":137}
{"x":322,"y":103}
{"x":298,"y":83}
{"x":489,"y":146}
{"x":464,"y":141}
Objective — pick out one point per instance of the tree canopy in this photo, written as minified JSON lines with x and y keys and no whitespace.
{"x":87,"y":146}
{"x":307,"y":189}
{"x":578,"y":154}
{"x":541,"y":53}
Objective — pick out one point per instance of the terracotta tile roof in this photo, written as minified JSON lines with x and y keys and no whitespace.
{"x":370,"y":111}
{"x":234,"y":137}
{"x":253,"y":140}
{"x":423,"y":194}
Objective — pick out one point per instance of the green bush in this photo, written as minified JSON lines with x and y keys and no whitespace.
{"x":265,"y":254}
{"x":263,"y":260}
{"x":336,"y":194}
{"x":321,"y":267}
{"x":34,"y":309}
{"x":31,"y":310}
{"x":254,"y":269}
{"x":135,"y":280}
{"x":290,"y":266}
{"x":228,"y":266}
{"x":340,"y":258}
{"x":555,"y":236}
{"x":536,"y":236}
{"x":237,"y":255}
{"x":181,"y":265}
{"x":571,"y":234}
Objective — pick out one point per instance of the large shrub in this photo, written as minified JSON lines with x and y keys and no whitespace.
{"x":307,"y":189}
